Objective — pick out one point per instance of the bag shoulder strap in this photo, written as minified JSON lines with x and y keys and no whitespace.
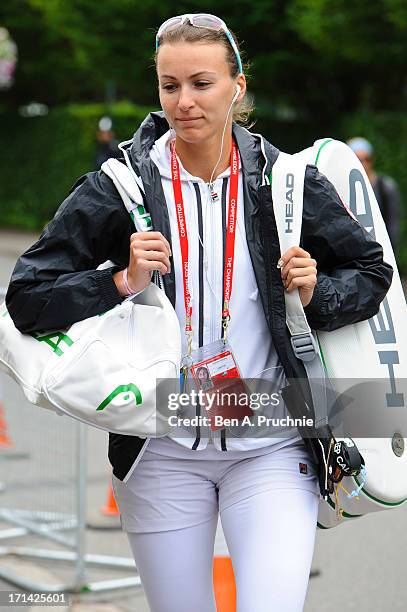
{"x":129,"y":186}
{"x":130,"y":192}
{"x":287,"y":185}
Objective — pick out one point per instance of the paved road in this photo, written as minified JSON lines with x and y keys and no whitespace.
{"x":362,"y":563}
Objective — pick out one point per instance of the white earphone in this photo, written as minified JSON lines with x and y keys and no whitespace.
{"x":238,"y":90}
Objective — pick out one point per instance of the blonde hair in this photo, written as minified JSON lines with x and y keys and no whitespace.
{"x":191,"y":34}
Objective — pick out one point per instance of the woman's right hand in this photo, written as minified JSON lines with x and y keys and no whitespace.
{"x":148,"y":251}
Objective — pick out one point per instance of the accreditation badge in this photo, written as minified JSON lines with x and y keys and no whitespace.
{"x":216,"y":376}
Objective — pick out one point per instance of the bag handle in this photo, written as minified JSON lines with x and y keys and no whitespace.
{"x":130,"y":193}
{"x":128,"y":186}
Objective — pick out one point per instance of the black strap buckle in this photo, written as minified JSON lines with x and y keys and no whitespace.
{"x":345,"y":460}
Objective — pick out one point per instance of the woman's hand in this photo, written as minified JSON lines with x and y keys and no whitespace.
{"x":148,"y":251}
{"x":299,"y":271}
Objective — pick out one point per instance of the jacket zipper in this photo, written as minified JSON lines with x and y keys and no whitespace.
{"x":213,"y":278}
{"x":213,"y":269}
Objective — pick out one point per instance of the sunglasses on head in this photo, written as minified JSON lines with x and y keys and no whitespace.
{"x":199,"y":20}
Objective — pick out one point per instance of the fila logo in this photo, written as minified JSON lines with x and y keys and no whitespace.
{"x":289,"y":212}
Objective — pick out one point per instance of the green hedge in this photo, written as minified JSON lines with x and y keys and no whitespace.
{"x":42,"y":157}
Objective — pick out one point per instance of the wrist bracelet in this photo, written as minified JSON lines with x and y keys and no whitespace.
{"x":129,"y":290}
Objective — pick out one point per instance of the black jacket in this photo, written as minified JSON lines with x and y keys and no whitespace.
{"x":55,"y":282}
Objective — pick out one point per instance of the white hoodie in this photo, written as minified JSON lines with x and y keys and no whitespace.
{"x":248,"y":334}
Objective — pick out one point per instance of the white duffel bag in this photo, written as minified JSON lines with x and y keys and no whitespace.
{"x":107,"y":370}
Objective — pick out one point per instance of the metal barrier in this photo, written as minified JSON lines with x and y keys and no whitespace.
{"x":52,"y":525}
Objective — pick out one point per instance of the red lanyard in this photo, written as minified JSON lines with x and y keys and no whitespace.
{"x":230,"y":233}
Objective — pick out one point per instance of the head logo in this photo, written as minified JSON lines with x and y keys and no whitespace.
{"x":128,"y":394}
{"x":54,"y":341}
{"x":289,"y":204}
{"x":381,"y":325}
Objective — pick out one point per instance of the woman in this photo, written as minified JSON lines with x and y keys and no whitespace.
{"x":204,"y":380}
{"x":196,"y":162}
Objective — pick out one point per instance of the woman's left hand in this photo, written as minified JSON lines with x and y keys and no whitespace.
{"x":299,"y":271}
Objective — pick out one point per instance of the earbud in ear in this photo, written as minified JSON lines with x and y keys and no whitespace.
{"x":238,"y":90}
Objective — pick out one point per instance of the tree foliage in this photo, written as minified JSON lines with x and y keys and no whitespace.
{"x":308,"y":56}
{"x":363,"y":43}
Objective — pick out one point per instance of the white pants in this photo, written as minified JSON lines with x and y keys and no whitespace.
{"x":269,"y":529}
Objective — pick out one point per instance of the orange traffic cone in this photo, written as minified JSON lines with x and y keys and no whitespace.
{"x":5,"y":440}
{"x":110,"y":509}
{"x":224,"y":583}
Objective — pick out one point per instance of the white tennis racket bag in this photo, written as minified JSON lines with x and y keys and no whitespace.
{"x":365,"y":362}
